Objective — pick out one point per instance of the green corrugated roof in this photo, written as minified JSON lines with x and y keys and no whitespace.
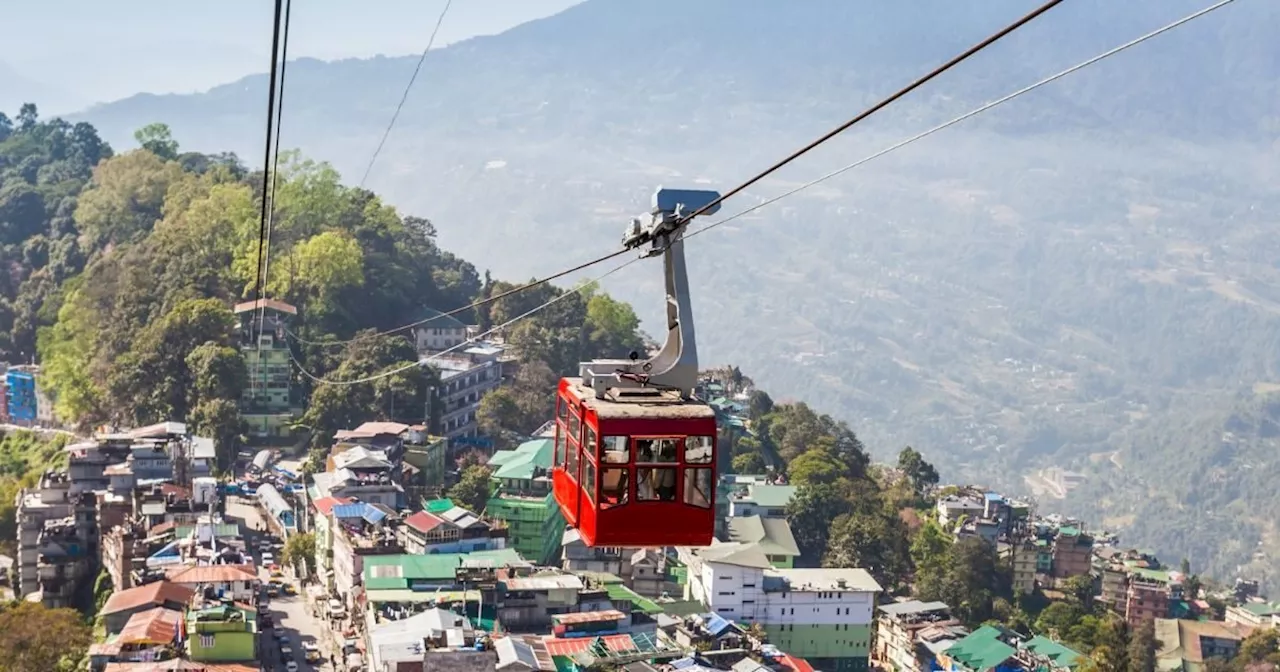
{"x":1069,"y":531}
{"x":520,"y":463}
{"x":982,"y":649}
{"x":439,"y":505}
{"x":1259,"y":608}
{"x":437,"y":567}
{"x":772,"y":495}
{"x":1054,"y":651}
{"x":619,"y":591}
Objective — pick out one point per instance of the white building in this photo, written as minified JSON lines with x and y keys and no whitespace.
{"x":465,"y":377}
{"x":823,"y":614}
{"x":439,"y":332}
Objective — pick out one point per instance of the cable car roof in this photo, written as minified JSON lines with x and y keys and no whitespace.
{"x":623,"y":403}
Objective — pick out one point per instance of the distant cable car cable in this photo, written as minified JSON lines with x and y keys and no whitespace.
{"x":770,"y":201}
{"x":408,"y":87}
{"x":879,"y":106}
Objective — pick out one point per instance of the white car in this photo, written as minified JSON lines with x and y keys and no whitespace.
{"x":268,"y":559}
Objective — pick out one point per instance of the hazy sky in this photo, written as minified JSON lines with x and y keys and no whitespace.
{"x":98,"y":50}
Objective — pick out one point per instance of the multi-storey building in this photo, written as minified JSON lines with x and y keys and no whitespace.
{"x":1147,"y":597}
{"x":266,"y":404}
{"x":899,"y":627}
{"x":522,"y":499}
{"x":1072,"y":553}
{"x":822,"y":615}
{"x":465,"y":377}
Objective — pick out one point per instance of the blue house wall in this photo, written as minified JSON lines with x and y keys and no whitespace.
{"x":20,"y":396}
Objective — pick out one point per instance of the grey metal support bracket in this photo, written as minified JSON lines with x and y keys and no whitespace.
{"x":675,"y":364}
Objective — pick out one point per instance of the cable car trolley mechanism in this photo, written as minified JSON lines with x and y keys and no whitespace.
{"x":635,"y":452}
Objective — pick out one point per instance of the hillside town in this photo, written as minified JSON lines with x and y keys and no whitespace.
{"x":372,"y":559}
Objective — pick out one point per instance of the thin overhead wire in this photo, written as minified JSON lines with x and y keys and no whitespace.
{"x":879,"y":106}
{"x":405,"y":96}
{"x":972,"y":113}
{"x":457,"y":311}
{"x":465,"y":344}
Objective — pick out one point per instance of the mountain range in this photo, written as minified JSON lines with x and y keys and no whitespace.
{"x":1074,"y":294}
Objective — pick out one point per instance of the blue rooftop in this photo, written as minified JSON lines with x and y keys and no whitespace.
{"x":365,"y":510}
{"x":994,"y":497}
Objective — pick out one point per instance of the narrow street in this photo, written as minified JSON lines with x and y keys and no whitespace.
{"x":288,"y":612}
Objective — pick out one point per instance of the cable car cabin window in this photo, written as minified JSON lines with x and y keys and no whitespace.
{"x":697,"y":449}
{"x":656,"y":450}
{"x":571,"y":461}
{"x":574,"y":425}
{"x":697,"y":487}
{"x":657,"y":484}
{"x":616,"y":449}
{"x":589,"y":476}
{"x":589,"y":440}
{"x":562,"y":455}
{"x":562,"y":408}
{"x":614,"y":486}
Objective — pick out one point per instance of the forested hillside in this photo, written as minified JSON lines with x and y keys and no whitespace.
{"x":123,"y":268}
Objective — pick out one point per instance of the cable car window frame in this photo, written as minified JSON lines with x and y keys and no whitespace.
{"x":710,"y":445}
{"x":575,"y":424}
{"x":608,"y":446}
{"x":590,"y":440}
{"x":624,"y":489}
{"x":589,"y":477}
{"x":691,"y":486}
{"x":675,"y":457}
{"x":572,"y":459}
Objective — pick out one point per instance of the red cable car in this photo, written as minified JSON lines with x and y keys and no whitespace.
{"x":635,"y":452}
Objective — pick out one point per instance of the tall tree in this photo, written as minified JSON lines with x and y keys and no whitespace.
{"x":472,"y":489}
{"x":1142,"y":648}
{"x":921,"y":474}
{"x":810,"y":514}
{"x":157,"y":139}
{"x":37,"y":639}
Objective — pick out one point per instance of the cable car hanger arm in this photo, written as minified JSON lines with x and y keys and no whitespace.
{"x":675,"y":365}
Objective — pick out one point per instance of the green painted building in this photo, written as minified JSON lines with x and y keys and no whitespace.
{"x":225,"y":633}
{"x":522,"y":499}
{"x":267,"y":403}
